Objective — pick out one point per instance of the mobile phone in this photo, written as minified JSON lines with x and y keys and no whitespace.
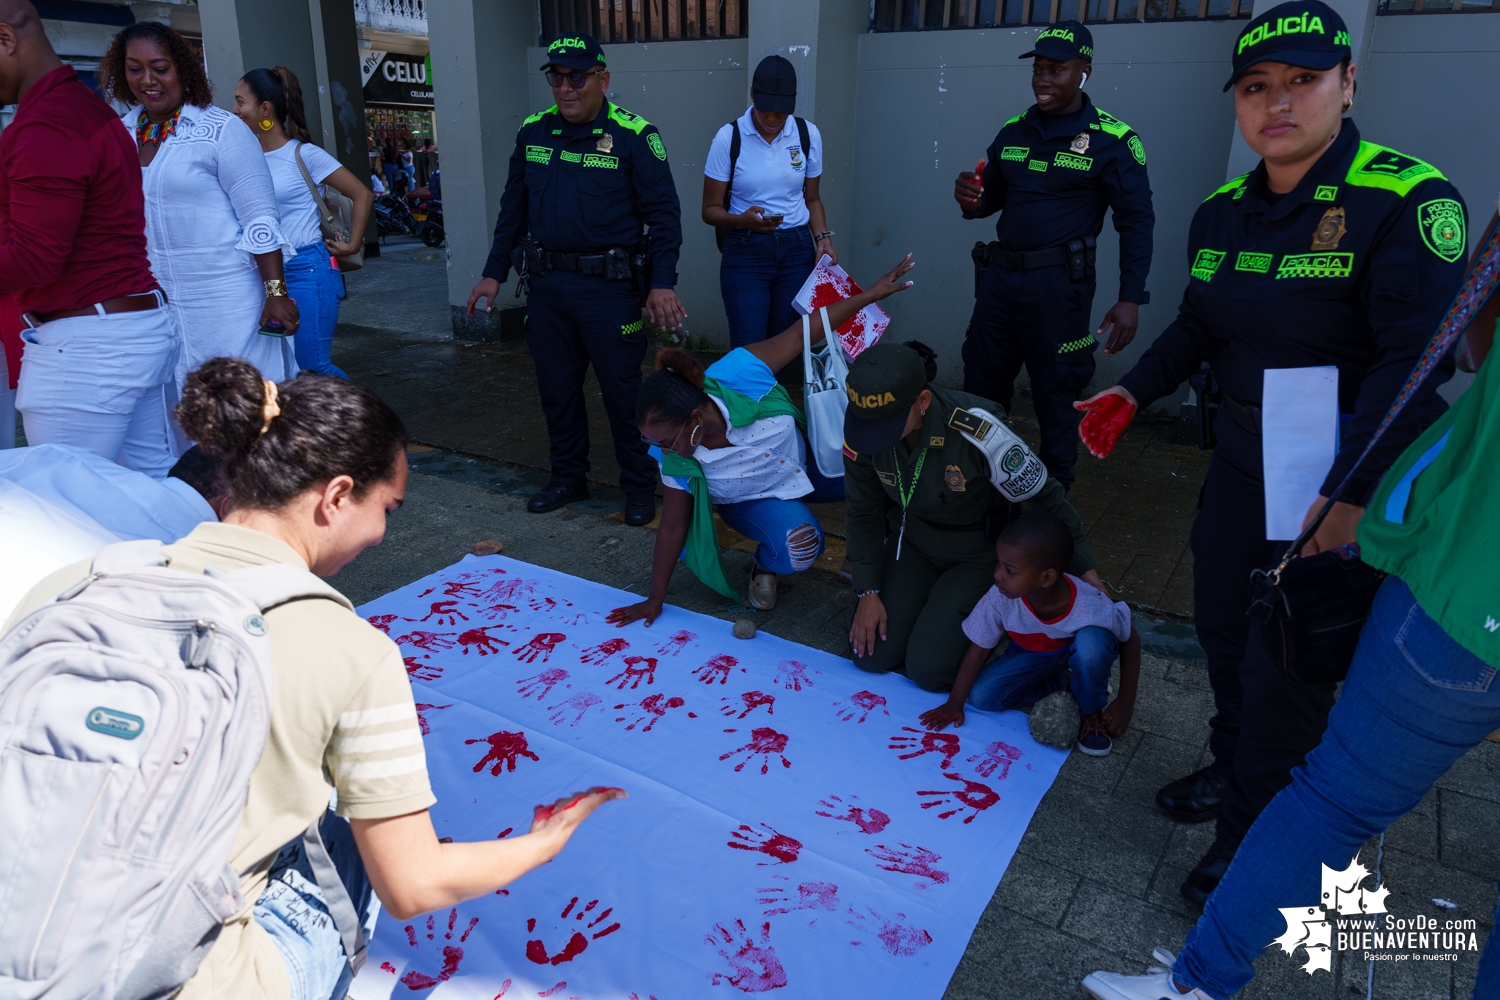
{"x":773,"y":218}
{"x":274,"y":328}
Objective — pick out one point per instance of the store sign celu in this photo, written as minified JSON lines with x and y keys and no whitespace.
{"x":396,"y":78}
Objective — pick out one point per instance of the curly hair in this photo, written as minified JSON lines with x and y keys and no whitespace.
{"x":196,"y":89}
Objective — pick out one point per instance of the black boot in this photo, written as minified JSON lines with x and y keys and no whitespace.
{"x":1205,"y":878}
{"x":557,"y":495}
{"x":1195,"y":798}
{"x":640,"y":508}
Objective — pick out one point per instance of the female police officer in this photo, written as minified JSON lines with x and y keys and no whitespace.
{"x":1333,"y":251}
{"x":926,"y":471}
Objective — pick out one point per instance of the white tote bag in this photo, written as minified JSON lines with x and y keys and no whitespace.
{"x":824,"y":397}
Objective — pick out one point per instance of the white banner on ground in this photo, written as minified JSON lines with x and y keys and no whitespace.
{"x":790,"y":826}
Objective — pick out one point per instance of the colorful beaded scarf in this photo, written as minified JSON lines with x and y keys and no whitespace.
{"x":150,"y":133}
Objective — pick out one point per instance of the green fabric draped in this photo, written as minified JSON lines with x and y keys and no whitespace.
{"x":702,"y":548}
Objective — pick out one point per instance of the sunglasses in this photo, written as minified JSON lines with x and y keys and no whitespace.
{"x":574,"y":80}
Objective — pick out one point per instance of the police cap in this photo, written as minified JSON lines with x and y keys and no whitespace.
{"x":1306,"y":33}
{"x":1063,"y":41}
{"x":575,"y":50}
{"x":883,"y":382}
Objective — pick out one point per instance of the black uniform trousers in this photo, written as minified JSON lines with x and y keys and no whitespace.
{"x":1264,"y":723}
{"x":1021,"y":318}
{"x":574,"y":320}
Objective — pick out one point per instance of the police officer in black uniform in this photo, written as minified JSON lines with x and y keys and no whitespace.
{"x":1052,"y":172}
{"x":586,"y":178}
{"x":1333,"y":251}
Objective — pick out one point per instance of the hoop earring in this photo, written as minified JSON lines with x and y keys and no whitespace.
{"x":266,"y":124}
{"x":695,"y":436}
{"x":1348,"y":105}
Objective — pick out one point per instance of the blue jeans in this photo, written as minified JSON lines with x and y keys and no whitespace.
{"x":1019,"y":678}
{"x":1414,"y":702}
{"x":773,"y":522}
{"x":292,"y":911}
{"x":759,"y":276}
{"x":317,"y":288}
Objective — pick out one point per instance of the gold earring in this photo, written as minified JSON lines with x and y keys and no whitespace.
{"x":266,"y":124}
{"x":1348,"y":105}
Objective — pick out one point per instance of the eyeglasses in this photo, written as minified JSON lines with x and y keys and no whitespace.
{"x":693,"y":439}
{"x":575,"y":80}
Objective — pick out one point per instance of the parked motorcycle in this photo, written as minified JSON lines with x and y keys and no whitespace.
{"x":394,"y":217}
{"x":426,"y":207}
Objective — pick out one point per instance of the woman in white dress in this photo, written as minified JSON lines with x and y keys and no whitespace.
{"x":212,"y":229}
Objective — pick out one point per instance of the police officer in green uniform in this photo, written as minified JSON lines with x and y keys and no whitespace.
{"x":930,"y":475}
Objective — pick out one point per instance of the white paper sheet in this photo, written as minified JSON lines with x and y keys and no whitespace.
{"x":828,"y":283}
{"x":790,"y":826}
{"x":1299,"y":437}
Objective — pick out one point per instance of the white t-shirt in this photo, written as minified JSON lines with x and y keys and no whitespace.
{"x":996,"y":614}
{"x":294,"y":202}
{"x":767,"y":174}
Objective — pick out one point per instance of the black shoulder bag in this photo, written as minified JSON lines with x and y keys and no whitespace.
{"x":734,"y":158}
{"x":1308,"y":611}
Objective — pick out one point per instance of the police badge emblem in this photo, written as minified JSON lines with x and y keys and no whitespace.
{"x":1330,"y":230}
{"x":606,"y":143}
{"x":1080,"y":143}
{"x":953,"y":477}
{"x":1442,"y":222}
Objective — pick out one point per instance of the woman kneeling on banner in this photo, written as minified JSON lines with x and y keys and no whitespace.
{"x":729,"y":439}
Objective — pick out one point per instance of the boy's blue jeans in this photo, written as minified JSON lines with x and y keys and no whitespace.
{"x":292,"y":911}
{"x":317,"y":289}
{"x":1018,"y":678}
{"x":1414,"y":702}
{"x":775,"y":523}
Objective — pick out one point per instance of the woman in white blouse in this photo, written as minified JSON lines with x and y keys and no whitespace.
{"x":270,"y":102}
{"x":212,"y":230}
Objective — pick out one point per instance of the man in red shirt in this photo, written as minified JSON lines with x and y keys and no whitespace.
{"x":99,"y":349}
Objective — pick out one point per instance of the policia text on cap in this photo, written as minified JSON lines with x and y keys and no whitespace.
{"x":586,"y":178}
{"x":1332,"y":251}
{"x":1051,"y":173}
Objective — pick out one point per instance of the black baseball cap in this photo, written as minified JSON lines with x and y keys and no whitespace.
{"x":882,"y":383}
{"x":575,"y":50}
{"x":774,"y":86}
{"x":1063,"y":41}
{"x":1306,"y":33}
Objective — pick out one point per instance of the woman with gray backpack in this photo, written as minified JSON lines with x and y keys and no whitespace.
{"x":174,"y":719}
{"x":323,"y":208}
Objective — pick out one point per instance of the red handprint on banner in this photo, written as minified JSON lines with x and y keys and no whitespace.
{"x":603,"y":651}
{"x":580,"y":925}
{"x":508,"y":589}
{"x":861,"y":703}
{"x":579,"y":704}
{"x":752,"y":701}
{"x":793,"y":674}
{"x":997,"y":755}
{"x":909,"y":860}
{"x":504,"y":750}
{"x":974,"y":795}
{"x":463,"y":585}
{"x":767,"y":841}
{"x":895,"y":936}
{"x":497,"y":612}
{"x":649,"y":710}
{"x":446,"y":613}
{"x":945,"y":745}
{"x":810,"y":896}
{"x":452,"y":954}
{"x":382,"y":622}
{"x":541,"y":683}
{"x":541,"y":645}
{"x":676,"y":643}
{"x":416,"y":670}
{"x":868,"y":821}
{"x":717,"y":668}
{"x":422,"y":711}
{"x":480,"y":639}
{"x":636,"y":668}
{"x":547,"y":605}
{"x":756,"y":967}
{"x":764,"y":743}
{"x":433,"y":642}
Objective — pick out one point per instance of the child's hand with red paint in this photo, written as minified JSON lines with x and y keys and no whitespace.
{"x":562,"y":817}
{"x":1105,"y":417}
{"x":968,"y":190}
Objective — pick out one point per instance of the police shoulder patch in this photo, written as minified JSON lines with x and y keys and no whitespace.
{"x":1137,"y":150}
{"x":1233,"y":187}
{"x":1379,"y":167}
{"x":627,"y":119}
{"x":533,"y":119}
{"x":973,"y":424}
{"x":1111,"y":124}
{"x":654,"y":141}
{"x":1441,"y":222}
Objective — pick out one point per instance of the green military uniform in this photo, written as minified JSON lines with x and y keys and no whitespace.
{"x":946,"y":560}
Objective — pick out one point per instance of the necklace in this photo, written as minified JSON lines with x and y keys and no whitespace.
{"x":150,"y":133}
{"x":906,"y":493}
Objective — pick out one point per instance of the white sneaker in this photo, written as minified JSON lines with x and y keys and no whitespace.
{"x":1156,"y":984}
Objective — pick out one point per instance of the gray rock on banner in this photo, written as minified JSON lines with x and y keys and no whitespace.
{"x":1055,"y":720}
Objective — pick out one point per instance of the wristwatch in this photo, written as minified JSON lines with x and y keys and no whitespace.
{"x":275,"y":288}
{"x":823,"y":236}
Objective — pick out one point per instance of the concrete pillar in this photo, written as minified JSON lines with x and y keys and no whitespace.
{"x":479,"y":73}
{"x":821,"y":39}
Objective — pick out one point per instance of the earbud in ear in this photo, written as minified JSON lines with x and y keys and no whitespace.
{"x":1085,"y":80}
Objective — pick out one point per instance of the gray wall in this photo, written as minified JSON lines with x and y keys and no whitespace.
{"x":931,"y":102}
{"x":687,"y":90}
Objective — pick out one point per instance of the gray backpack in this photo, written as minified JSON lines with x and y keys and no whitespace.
{"x":133,"y":709}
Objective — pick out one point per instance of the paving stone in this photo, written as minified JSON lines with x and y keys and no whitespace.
{"x":1123,"y":923}
{"x":1038,"y":889}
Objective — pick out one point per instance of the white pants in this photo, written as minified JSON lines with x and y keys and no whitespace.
{"x":101,"y":383}
{"x":7,"y":407}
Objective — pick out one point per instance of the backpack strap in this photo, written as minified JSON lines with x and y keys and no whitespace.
{"x":734,"y":158}
{"x":123,"y":557}
{"x":806,"y":139}
{"x":275,"y":584}
{"x":335,"y":896}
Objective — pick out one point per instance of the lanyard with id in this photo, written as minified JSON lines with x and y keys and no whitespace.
{"x":907,"y":494}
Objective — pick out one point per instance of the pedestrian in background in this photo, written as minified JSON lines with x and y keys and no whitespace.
{"x":270,"y":102}
{"x":99,"y":346}
{"x":760,"y":185}
{"x":586,"y":178}
{"x":211,"y":225}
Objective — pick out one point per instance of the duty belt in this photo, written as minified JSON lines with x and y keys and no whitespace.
{"x":1076,"y":255}
{"x":612,"y":265}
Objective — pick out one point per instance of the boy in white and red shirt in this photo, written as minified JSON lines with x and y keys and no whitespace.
{"x":1063,"y":634}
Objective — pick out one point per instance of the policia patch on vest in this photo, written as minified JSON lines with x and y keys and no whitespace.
{"x":1442,"y":223}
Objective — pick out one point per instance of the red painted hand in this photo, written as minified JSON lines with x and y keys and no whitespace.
{"x":1105,"y":418}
